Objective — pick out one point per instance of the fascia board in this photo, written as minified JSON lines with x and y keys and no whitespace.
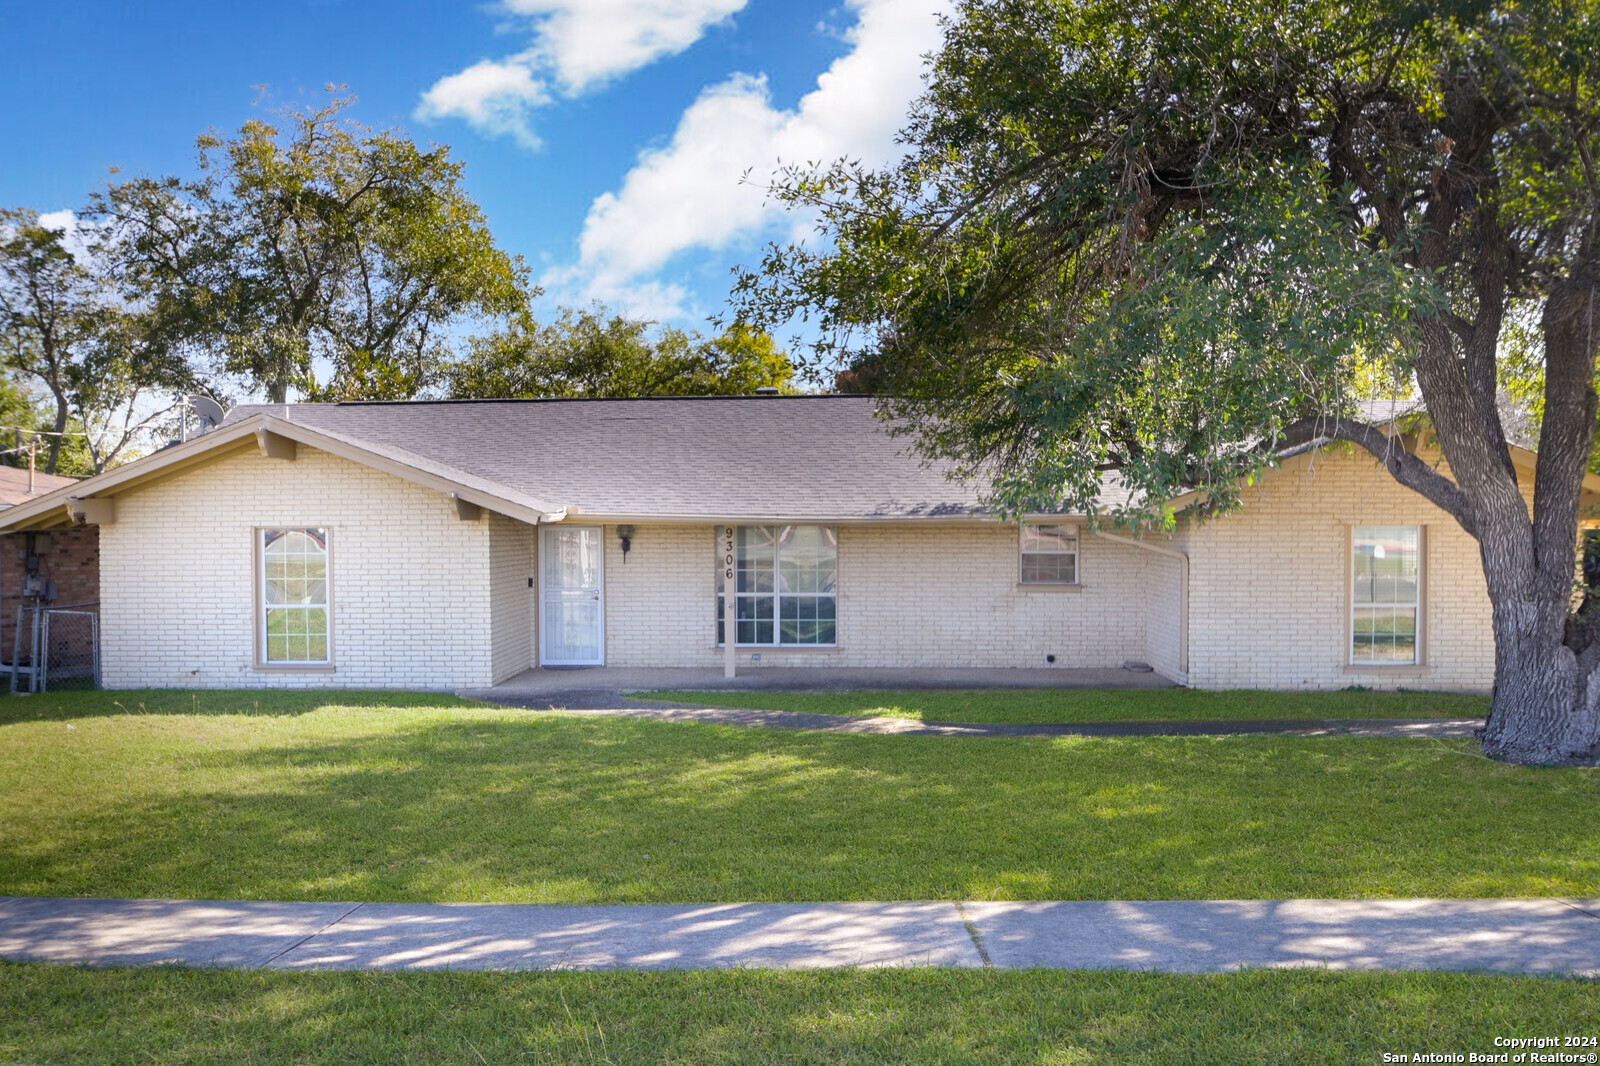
{"x":616,"y":518}
{"x":163,"y":463}
{"x":241,"y":434}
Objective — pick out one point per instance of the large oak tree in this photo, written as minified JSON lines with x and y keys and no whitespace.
{"x":313,"y":254}
{"x":108,"y":373}
{"x":1166,"y":239}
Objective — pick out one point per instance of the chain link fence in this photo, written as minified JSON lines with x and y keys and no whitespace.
{"x":56,"y":647}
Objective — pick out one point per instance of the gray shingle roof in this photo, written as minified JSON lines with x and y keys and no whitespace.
{"x":710,"y":457}
{"x":14,"y":485}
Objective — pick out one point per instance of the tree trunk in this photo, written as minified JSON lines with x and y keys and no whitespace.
{"x":1547,"y":672}
{"x":1543,"y":712}
{"x":61,"y":427}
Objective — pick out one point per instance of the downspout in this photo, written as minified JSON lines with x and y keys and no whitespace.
{"x":1183,"y":591}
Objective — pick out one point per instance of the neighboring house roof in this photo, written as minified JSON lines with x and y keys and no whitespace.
{"x":707,"y":458}
{"x":14,"y":485}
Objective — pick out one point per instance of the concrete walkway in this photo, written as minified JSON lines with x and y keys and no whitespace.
{"x":615,"y":680}
{"x":622,"y":706}
{"x":1533,"y":935}
{"x":613,"y":691}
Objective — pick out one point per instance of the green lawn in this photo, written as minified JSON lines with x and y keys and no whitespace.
{"x":417,"y":798}
{"x":62,"y":1015}
{"x":1099,"y":705}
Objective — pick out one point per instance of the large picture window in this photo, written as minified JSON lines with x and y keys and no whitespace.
{"x":1386,"y":566}
{"x":1049,"y":555}
{"x":787,"y":585}
{"x":295,"y":623}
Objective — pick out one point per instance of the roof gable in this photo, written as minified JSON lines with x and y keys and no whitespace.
{"x":690,"y":458}
{"x":262,"y":430}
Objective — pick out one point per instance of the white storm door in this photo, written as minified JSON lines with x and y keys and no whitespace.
{"x":572,"y":607}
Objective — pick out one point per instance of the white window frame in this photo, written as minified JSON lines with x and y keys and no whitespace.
{"x":262,"y":607}
{"x":777,"y":595}
{"x":1415,"y":605}
{"x":1076,"y":553}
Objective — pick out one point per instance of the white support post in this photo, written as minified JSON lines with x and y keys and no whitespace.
{"x":730,"y":599}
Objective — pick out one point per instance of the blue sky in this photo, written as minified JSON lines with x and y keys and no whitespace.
{"x":604,"y":138}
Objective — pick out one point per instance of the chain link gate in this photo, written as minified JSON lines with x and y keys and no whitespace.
{"x":57,"y":646}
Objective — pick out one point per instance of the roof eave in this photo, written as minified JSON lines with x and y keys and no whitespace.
{"x":805,"y":518}
{"x":54,"y":509}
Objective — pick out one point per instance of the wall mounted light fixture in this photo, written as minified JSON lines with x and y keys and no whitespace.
{"x":625,"y":534}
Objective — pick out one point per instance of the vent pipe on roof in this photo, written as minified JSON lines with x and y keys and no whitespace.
{"x":767,"y":390}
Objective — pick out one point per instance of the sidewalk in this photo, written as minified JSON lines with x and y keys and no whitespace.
{"x":1530,"y":935}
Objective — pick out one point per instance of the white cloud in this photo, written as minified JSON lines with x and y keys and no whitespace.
{"x":688,"y":194}
{"x":589,"y":42}
{"x":577,"y":45}
{"x":493,"y":97}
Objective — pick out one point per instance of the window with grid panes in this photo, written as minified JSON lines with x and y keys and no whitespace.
{"x":295,"y":623}
{"x":1386,"y":592}
{"x":1049,"y":555}
{"x":786,"y":586}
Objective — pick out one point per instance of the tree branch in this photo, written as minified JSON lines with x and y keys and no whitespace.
{"x":1406,"y":468}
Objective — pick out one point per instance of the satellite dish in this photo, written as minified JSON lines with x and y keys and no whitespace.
{"x":209,"y":411}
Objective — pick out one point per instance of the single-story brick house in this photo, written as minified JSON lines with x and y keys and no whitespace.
{"x":458,"y":544}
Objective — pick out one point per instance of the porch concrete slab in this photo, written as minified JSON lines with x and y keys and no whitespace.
{"x":617,"y":680}
{"x":544,"y":937}
{"x":143,"y":932}
{"x":1513,"y":935}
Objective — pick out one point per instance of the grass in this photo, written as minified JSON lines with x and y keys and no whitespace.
{"x":62,"y":1014}
{"x":338,"y":796}
{"x":1099,"y":705}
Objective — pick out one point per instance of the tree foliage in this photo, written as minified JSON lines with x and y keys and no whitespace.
{"x":1165,"y":238}
{"x":312,"y":242}
{"x":106,"y":369}
{"x":600,"y":355}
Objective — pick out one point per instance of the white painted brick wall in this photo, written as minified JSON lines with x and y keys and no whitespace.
{"x":425,"y":600}
{"x":1269,"y":602}
{"x":926,"y":596}
{"x":1163,"y":596}
{"x":511,"y":564}
{"x":411,"y":590}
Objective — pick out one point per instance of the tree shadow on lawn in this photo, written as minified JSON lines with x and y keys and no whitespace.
{"x":1078,"y":705}
{"x":928,"y":1016}
{"x":540,"y":808}
{"x":66,"y":706}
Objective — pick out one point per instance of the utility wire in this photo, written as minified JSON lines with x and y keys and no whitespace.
{"x":42,"y":432}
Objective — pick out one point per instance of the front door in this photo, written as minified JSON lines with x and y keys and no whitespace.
{"x":572,"y":609}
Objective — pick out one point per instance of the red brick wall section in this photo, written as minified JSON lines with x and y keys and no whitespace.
{"x":73,"y":563}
